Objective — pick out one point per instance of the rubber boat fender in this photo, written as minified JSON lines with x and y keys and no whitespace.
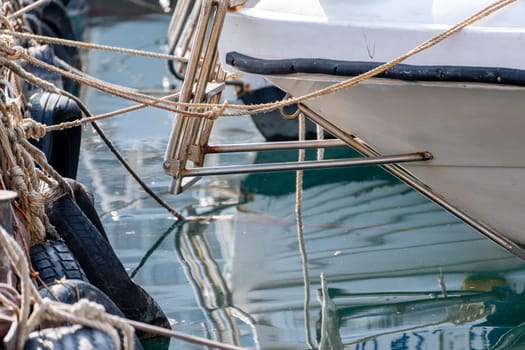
{"x":86,"y":202}
{"x":62,"y":147}
{"x":69,"y":338}
{"x":46,"y":54}
{"x":54,"y":261}
{"x":71,"y":291}
{"x":52,"y":20}
{"x":77,"y":13}
{"x":101,"y":264}
{"x":407,"y":72}
{"x":54,"y":14}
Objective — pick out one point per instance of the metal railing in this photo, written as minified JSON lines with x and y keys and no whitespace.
{"x":194,"y":33}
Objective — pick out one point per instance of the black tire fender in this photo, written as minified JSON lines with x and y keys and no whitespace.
{"x":69,"y":338}
{"x":101,"y":264}
{"x":53,"y":261}
{"x":71,"y":291}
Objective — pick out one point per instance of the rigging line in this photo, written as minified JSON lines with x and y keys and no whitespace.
{"x":102,"y":86}
{"x":300,"y":234}
{"x":133,"y":174}
{"x":85,"y":45}
{"x":265,"y":107}
{"x":86,"y":120}
{"x":27,"y":8}
{"x":485,"y":12}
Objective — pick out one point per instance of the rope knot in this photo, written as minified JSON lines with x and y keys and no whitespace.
{"x":44,"y":306}
{"x":33,"y":129}
{"x":16,"y":175}
{"x":216,"y":112}
{"x":12,"y":52}
{"x":89,"y":310}
{"x":18,"y":51}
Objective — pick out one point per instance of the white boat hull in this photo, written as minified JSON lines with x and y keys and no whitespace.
{"x":473,"y":132}
{"x":470,"y":117}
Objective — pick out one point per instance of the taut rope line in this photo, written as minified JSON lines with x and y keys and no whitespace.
{"x":485,"y":12}
{"x":85,"y":45}
{"x":48,"y":86}
{"x":94,"y":83}
{"x":27,"y":8}
{"x":79,"y":122}
{"x":255,"y":108}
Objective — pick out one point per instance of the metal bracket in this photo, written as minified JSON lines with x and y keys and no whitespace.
{"x":204,"y":82}
{"x":413,"y":182}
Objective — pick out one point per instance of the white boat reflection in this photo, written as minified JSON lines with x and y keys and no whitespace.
{"x":399,"y":269}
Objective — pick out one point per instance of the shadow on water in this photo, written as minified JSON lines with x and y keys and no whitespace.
{"x":400,"y":272}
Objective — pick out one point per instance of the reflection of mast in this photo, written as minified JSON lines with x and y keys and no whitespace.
{"x":209,"y":284}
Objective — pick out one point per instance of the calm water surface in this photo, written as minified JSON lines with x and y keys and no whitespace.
{"x":401,"y":273}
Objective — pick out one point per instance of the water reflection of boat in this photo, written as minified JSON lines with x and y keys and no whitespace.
{"x":281,"y":183}
{"x":399,"y":269}
{"x":462,"y":99}
{"x":395,"y":263}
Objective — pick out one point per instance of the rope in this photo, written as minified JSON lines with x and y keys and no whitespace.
{"x":87,"y":314}
{"x":85,"y":45}
{"x":84,"y":312}
{"x":83,"y":121}
{"x":300,"y":234}
{"x":27,"y":8}
{"x":102,"y":86}
{"x":21,"y":176}
{"x":256,"y":108}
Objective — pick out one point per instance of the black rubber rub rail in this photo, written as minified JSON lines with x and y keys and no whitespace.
{"x":488,"y":75}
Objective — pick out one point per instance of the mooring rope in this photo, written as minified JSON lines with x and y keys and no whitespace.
{"x":27,"y":8}
{"x":266,"y":107}
{"x":86,"y":45}
{"x":83,"y":313}
{"x":181,"y":107}
{"x":131,"y":95}
{"x":52,"y":88}
{"x":300,"y":234}
{"x":95,"y":118}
